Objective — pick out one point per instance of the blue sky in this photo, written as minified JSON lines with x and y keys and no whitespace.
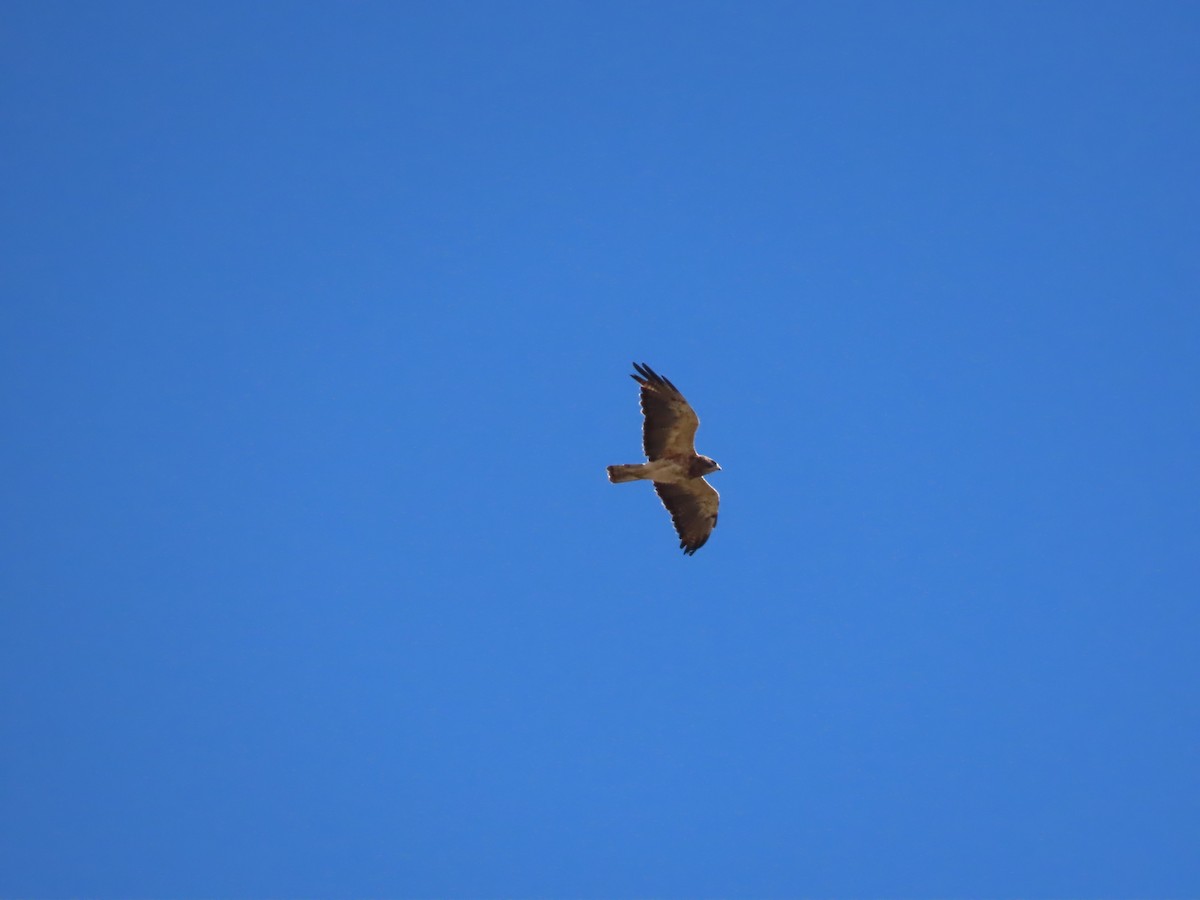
{"x":316,"y":330}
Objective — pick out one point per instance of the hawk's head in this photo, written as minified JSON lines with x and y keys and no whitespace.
{"x":708,"y":464}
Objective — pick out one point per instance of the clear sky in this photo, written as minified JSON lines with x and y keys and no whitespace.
{"x":316,"y":329}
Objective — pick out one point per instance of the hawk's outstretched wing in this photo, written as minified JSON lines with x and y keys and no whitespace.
{"x":693,"y":509}
{"x":670,"y":422}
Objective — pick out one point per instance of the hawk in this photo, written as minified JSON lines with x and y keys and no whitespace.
{"x":668,"y":437}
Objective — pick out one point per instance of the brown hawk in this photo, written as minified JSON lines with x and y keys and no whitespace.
{"x":668,"y":438}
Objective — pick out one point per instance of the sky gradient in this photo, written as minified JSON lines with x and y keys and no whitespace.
{"x":316,"y":334}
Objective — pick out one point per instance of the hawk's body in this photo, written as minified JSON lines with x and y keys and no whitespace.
{"x":668,"y":438}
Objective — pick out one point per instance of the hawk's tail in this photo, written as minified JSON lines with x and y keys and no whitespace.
{"x":618,"y":474}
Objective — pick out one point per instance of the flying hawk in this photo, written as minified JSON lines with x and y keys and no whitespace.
{"x":668,"y":437}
